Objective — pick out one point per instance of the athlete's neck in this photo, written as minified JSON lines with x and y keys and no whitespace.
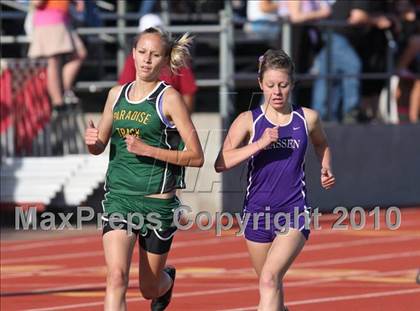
{"x":141,"y":89}
{"x":283,"y":111}
{"x":277,"y":117}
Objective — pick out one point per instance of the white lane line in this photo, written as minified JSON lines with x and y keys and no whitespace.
{"x":215,"y":291}
{"x":385,"y":256}
{"x":48,"y":244}
{"x":134,"y":281}
{"x":368,"y":241}
{"x":47,"y":258}
{"x":339,"y":298}
{"x":322,"y":246}
{"x":176,"y":244}
{"x":245,"y":288}
{"x":225,"y":256}
{"x":179,"y":295}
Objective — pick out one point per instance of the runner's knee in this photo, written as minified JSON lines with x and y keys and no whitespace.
{"x":117,"y":278}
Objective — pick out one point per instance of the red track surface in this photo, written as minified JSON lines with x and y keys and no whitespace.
{"x":337,"y":270}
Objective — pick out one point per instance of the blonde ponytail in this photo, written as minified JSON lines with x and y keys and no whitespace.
{"x":179,"y":53}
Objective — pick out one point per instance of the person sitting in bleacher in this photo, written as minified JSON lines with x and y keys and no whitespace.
{"x":262,"y":19}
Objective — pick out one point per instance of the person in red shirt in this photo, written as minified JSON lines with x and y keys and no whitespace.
{"x":183,"y":81}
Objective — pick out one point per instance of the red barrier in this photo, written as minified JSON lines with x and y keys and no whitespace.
{"x":5,"y":100}
{"x":24,"y":101}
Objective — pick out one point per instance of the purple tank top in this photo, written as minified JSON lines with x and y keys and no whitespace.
{"x":276,"y":176}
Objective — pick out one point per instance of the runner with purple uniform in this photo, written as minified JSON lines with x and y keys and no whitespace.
{"x":276,"y":179}
{"x":273,"y":138}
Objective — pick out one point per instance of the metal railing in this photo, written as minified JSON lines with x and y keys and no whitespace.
{"x":224,"y":30}
{"x":327,"y":27}
{"x":227,"y":77}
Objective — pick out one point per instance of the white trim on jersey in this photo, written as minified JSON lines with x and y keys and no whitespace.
{"x":166,"y":167}
{"x":157,"y":103}
{"x":118,"y":97}
{"x":307,"y":211}
{"x":304,"y":122}
{"x":105,"y":198}
{"x":119,"y":219}
{"x":253,"y":126}
{"x":182,"y":182}
{"x":250,"y":177}
{"x":302,"y":181}
{"x":281,"y":125}
{"x":252,"y":157}
{"x":162,"y":238}
{"x":303,"y":192}
{"x":144,"y":98}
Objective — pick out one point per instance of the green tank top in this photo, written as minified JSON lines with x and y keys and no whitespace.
{"x":138,"y":175}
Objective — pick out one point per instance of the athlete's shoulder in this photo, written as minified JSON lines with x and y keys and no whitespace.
{"x":243,"y":121}
{"x":170,"y":92}
{"x":245,"y":117}
{"x":115,"y":91}
{"x":172,"y":101}
{"x":311,"y":117}
{"x":112,"y":98}
{"x":256,"y":113}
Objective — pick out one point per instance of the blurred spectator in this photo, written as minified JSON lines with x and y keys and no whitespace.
{"x":344,"y":60}
{"x":306,"y":10}
{"x":146,"y":7}
{"x":410,"y":58}
{"x":408,"y":63}
{"x":183,"y":81}
{"x":262,"y":18}
{"x":373,"y":51}
{"x":239,"y":11}
{"x":306,"y":39}
{"x":53,"y":39}
{"x":414,"y":109}
{"x":89,"y":17}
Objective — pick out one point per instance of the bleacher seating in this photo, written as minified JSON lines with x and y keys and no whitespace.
{"x":41,"y":179}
